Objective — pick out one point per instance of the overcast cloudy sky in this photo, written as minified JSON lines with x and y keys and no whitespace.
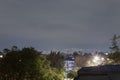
{"x":59,"y":24}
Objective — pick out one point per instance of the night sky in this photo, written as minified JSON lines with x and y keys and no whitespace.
{"x":59,"y":24}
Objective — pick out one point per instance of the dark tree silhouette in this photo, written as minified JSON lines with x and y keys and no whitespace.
{"x":56,"y":59}
{"x":115,"y":51}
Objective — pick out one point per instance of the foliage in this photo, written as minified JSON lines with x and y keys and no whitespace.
{"x":114,"y":48}
{"x":56,"y":60}
{"x":115,"y":57}
{"x":27,"y":64}
{"x":115,"y":53}
{"x":72,"y":74}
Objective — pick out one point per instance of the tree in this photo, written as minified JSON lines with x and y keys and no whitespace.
{"x":72,"y":74}
{"x":26,"y":64}
{"x":115,"y":51}
{"x":9,"y":65}
{"x":57,"y":63}
{"x":114,"y":48}
{"x":56,"y":60}
{"x":75,"y":54}
{"x":6,"y":50}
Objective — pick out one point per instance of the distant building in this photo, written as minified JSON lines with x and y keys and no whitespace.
{"x":107,"y":72}
{"x":69,"y":64}
{"x":81,"y":61}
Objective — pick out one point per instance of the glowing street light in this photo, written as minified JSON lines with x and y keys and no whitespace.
{"x":1,"y":56}
{"x":97,"y":60}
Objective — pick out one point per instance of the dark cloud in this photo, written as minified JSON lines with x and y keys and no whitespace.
{"x":60,"y":24}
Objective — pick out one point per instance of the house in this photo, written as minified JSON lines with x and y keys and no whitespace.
{"x":81,"y":61}
{"x":106,"y":72}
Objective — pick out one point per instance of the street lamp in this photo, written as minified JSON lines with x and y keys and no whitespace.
{"x":97,"y":60}
{"x":1,"y":56}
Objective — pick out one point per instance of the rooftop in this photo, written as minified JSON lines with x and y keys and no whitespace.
{"x":105,"y":68}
